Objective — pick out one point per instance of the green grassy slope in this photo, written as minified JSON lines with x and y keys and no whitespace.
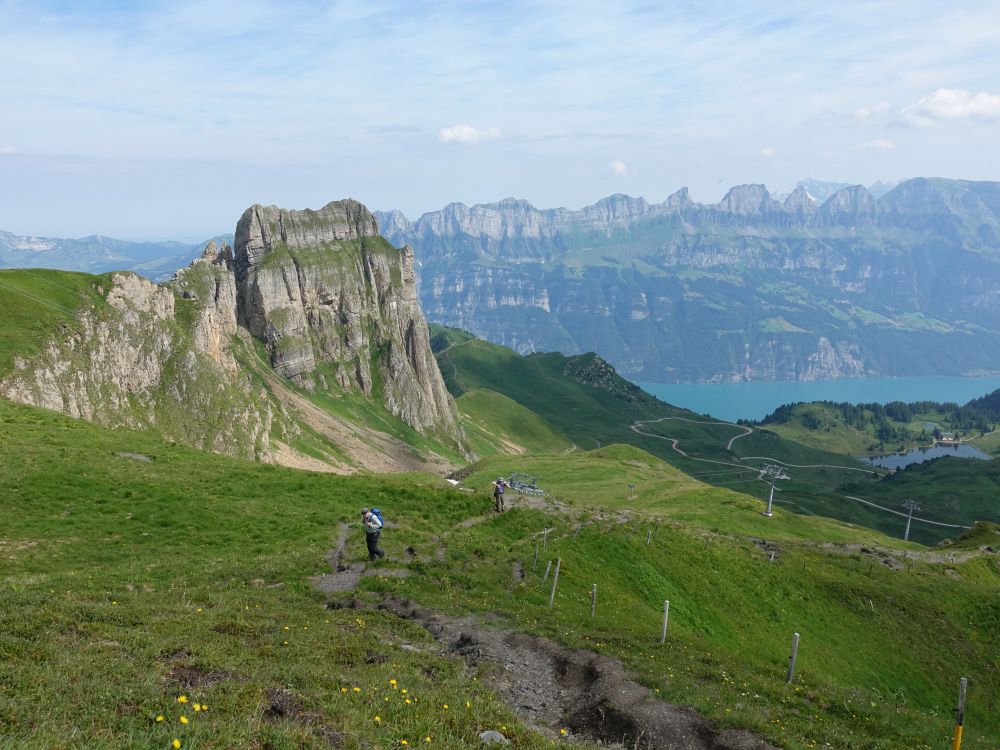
{"x":127,"y":583}
{"x":822,"y":426}
{"x":496,"y":424}
{"x":34,"y":304}
{"x":594,"y":416}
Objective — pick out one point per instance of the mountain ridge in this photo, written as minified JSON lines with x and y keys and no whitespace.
{"x":744,"y":289}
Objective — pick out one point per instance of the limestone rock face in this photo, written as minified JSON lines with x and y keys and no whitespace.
{"x":128,"y":364}
{"x":332,"y":300}
{"x":210,"y":280}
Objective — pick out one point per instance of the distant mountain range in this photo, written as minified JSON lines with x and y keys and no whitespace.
{"x":829,"y":281}
{"x":750,"y":288}
{"x":96,"y":254}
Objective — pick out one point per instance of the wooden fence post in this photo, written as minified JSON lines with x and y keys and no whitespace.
{"x":791,"y":659}
{"x":555,"y":580}
{"x":666,"y":617}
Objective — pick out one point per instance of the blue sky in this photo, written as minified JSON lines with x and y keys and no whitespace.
{"x":165,"y":120}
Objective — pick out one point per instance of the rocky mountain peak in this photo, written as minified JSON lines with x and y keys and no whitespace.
{"x":262,"y":228}
{"x":855,"y":200}
{"x":336,"y":305}
{"x":615,"y":209}
{"x":800,"y":199}
{"x":679,"y":199}
{"x":748,"y":199}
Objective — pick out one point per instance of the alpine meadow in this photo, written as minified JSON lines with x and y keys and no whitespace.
{"x":311,"y":439}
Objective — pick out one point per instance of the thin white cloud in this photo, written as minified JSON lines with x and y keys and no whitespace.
{"x":468,"y":134}
{"x":619,"y":167}
{"x":866,"y":113}
{"x":8,"y":151}
{"x":876,"y":144}
{"x":769,"y":152}
{"x":953,"y":104}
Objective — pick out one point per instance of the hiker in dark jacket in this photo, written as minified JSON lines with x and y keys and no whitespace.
{"x":373,"y":530}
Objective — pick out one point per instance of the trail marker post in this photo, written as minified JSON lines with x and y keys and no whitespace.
{"x":555,"y":580}
{"x":649,"y":535}
{"x":666,"y":618}
{"x":791,"y":659}
{"x":593,"y":601}
{"x":631,"y":491}
{"x":956,"y":743}
{"x":548,"y":567}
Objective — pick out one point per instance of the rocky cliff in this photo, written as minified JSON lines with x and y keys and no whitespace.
{"x":332,"y":306}
{"x":131,"y":363}
{"x":336,"y":305}
{"x":750,"y":288}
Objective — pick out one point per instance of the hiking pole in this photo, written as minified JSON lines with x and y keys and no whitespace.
{"x":956,"y":743}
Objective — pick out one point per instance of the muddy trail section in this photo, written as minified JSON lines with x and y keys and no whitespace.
{"x":547,"y":685}
{"x":550,"y":687}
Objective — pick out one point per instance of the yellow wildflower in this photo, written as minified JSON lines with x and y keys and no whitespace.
{"x":176,"y":743}
{"x":182,"y":699}
{"x":377,"y":719}
{"x":196,"y":706}
{"x":445,"y":706}
{"x":427,"y":739}
{"x":160,"y":718}
{"x":357,"y":690}
{"x":392,"y":682}
{"x":563,"y":732}
{"x":407,"y":701}
{"x":184,"y":720}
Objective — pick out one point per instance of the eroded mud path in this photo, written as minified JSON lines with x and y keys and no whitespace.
{"x":551,"y":687}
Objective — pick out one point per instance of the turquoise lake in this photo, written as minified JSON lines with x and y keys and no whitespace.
{"x":732,"y":401}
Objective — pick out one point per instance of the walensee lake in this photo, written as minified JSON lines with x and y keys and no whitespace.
{"x":732,"y":401}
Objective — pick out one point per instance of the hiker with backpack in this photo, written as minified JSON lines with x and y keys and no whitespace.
{"x":498,"y":489}
{"x":371,"y":519}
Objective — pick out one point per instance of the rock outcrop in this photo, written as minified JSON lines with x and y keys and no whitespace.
{"x":335,"y":304}
{"x":129,"y":364}
{"x":335,"y":307}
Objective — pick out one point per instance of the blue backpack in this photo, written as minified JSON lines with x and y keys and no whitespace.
{"x":378,"y":514}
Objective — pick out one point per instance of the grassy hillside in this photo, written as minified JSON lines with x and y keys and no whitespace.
{"x":128,"y":583}
{"x":496,"y":424}
{"x":594,"y":408}
{"x":35,"y":304}
{"x":823,"y":426}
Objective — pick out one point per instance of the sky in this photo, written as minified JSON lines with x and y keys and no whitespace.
{"x":165,"y":120}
